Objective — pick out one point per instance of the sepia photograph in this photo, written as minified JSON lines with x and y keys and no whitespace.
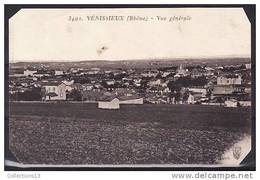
{"x":129,"y":87}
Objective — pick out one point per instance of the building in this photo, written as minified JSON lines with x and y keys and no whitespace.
{"x":245,"y":103}
{"x":199,"y":90}
{"x":223,"y":90}
{"x":40,"y":74}
{"x":229,"y":80}
{"x":248,"y":66}
{"x":157,"y":90}
{"x":248,"y":89}
{"x":134,"y":99}
{"x":108,"y":102}
{"x":166,"y":73}
{"x":110,"y":82}
{"x":76,"y":86}
{"x":230,"y":103}
{"x":68,"y":83}
{"x":58,"y":73}
{"x":29,"y":72}
{"x":191,"y":99}
{"x":152,"y":73}
{"x":87,"y":86}
{"x":156,"y":82}
{"x":92,"y":72}
{"x":55,"y":91}
{"x":181,"y":72}
{"x":196,"y":73}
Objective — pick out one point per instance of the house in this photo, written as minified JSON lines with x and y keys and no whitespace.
{"x":190,"y":99}
{"x":54,"y":91}
{"x":156,"y":82}
{"x":230,"y":103}
{"x":248,"y":90}
{"x":74,"y":70}
{"x":28,"y":72}
{"x":200,"y":90}
{"x":87,"y":86}
{"x":97,"y":87}
{"x":69,"y":88}
{"x":92,"y":72}
{"x":166,"y":90}
{"x":181,"y":72}
{"x":223,"y":90}
{"x":134,"y":99}
{"x":229,"y":80}
{"x":245,"y":103}
{"x":76,"y":86}
{"x":95,"y":69}
{"x":248,"y":66}
{"x":152,"y":73}
{"x":40,"y":74}
{"x":209,"y":69}
{"x":68,"y":83}
{"x":157,"y":90}
{"x":110,"y":82}
{"x":166,"y":73}
{"x":108,"y":102}
{"x":137,"y":81}
{"x":107,"y":71}
{"x":198,"y":93}
{"x":196,"y":73}
{"x":58,"y":73}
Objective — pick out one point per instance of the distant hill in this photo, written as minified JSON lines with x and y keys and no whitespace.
{"x":126,"y":64}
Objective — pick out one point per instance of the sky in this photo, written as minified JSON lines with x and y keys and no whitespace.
{"x":48,"y":35}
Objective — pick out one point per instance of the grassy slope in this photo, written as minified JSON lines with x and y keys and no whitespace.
{"x":75,"y":133}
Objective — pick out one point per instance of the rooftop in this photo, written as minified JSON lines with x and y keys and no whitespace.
{"x":51,"y":83}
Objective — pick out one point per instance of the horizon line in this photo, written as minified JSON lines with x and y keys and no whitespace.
{"x":143,"y":59}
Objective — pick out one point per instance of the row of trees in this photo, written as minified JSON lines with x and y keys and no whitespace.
{"x":184,"y":82}
{"x":35,"y":94}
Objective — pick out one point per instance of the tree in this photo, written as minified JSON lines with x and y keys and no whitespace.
{"x":171,"y":75}
{"x":174,"y":86}
{"x":33,"y":94}
{"x":144,"y":84}
{"x":111,"y":75}
{"x":119,"y":76}
{"x":176,"y":96}
{"x":175,"y":89}
{"x":158,"y":76}
{"x":75,"y":95}
{"x":185,"y":96}
{"x":199,"y":81}
{"x":187,"y":81}
{"x":81,"y":80}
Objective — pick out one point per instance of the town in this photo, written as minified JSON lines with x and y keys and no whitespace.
{"x":184,"y":83}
